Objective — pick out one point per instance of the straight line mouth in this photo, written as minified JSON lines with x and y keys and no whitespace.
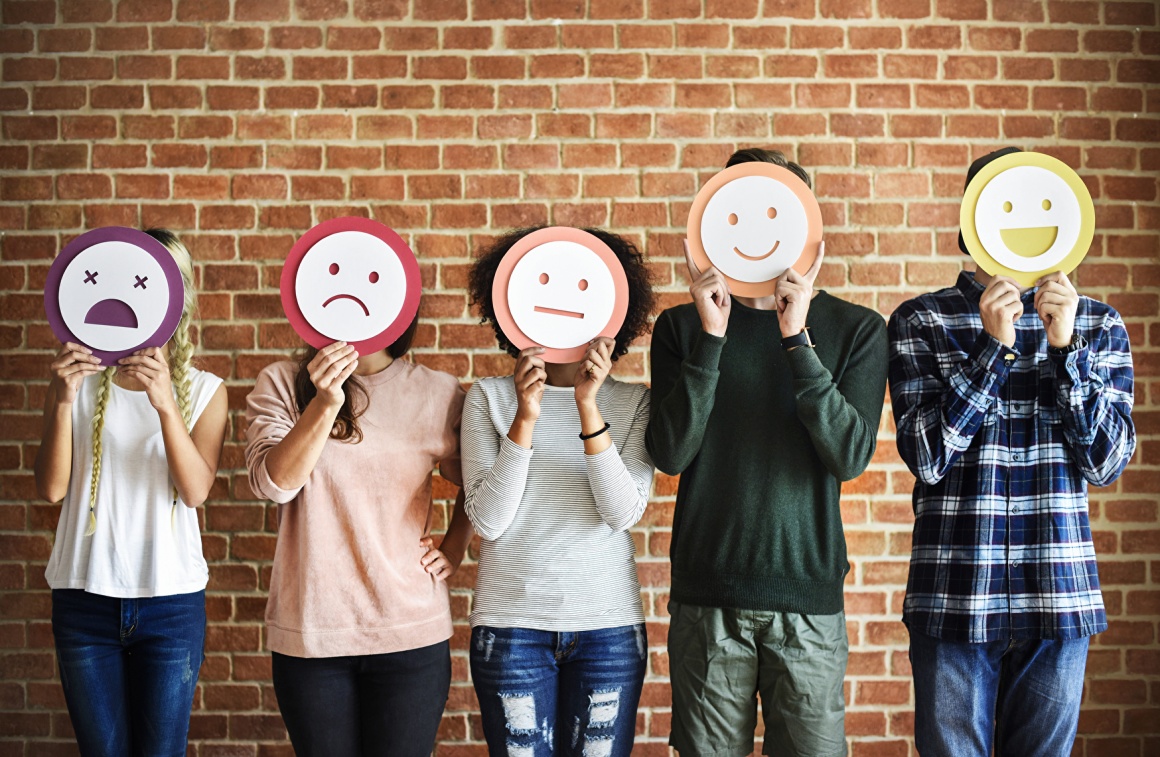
{"x":554,"y":311}
{"x":348,"y":297}
{"x":759,"y":257}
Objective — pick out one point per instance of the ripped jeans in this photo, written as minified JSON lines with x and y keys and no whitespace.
{"x":129,"y":668}
{"x":544,"y":693}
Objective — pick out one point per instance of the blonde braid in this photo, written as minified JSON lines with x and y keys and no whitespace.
{"x":103,"y":387}
{"x":180,"y":359}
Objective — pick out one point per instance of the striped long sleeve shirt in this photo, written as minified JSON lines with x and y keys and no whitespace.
{"x":555,"y":554}
{"x":1004,"y":442}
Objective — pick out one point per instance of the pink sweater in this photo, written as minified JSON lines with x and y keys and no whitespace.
{"x":347,"y":578}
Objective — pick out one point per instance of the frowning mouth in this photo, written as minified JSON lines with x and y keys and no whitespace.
{"x":759,"y":257}
{"x":554,"y":311}
{"x":348,"y":297}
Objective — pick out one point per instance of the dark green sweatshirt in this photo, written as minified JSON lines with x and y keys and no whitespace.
{"x":763,"y":439}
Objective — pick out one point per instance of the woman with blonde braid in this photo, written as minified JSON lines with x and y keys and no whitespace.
{"x":132,"y":451}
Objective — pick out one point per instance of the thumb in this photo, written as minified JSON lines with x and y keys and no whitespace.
{"x":812,"y":273}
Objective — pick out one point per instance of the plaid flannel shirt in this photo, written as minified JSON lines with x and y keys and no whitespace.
{"x":1004,"y":442}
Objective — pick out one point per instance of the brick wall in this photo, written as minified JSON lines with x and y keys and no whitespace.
{"x":241,"y":123}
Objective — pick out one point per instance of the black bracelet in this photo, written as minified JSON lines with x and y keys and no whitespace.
{"x":586,"y":437}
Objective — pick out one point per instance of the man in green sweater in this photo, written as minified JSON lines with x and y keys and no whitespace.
{"x":764,"y":406}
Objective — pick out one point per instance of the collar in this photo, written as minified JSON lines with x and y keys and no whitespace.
{"x":973,"y":290}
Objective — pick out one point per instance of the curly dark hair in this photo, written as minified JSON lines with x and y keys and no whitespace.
{"x":776,"y":157}
{"x":346,"y":428}
{"x":640,"y":294}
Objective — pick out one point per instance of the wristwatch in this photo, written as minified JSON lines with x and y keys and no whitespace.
{"x":803,"y":339}
{"x":1077,"y":343}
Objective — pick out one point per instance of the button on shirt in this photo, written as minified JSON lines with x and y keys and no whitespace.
{"x":1004,"y":449}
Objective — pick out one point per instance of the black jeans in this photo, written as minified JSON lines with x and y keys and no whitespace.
{"x":381,"y":705}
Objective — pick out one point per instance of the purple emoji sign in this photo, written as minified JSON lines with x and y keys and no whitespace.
{"x":114,"y":290}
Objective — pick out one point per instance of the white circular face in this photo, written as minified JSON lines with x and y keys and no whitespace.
{"x":350,"y":286}
{"x":1028,"y":218}
{"x":114,"y":296}
{"x":754,"y":228}
{"x":561,"y":294}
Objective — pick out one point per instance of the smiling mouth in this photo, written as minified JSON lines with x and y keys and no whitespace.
{"x":348,"y":297}
{"x":554,"y":311}
{"x":759,"y":257}
{"x":1029,"y":242}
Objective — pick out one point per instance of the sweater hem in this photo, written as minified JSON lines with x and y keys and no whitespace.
{"x":352,"y":642}
{"x":799,"y":596}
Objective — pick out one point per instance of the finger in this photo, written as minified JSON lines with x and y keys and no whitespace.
{"x":74,"y":347}
{"x":329,"y":354}
{"x":342,"y":377}
{"x":812,"y":273}
{"x":694,"y":272}
{"x":430,"y":556}
{"x":84,"y":369}
{"x":531,"y":352}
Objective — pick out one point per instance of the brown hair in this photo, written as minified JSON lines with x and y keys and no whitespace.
{"x":346,"y":426}
{"x":776,"y":157}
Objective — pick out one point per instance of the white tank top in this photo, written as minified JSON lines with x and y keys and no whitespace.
{"x":138,"y":549}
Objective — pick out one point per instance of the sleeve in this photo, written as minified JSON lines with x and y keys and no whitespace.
{"x":685,"y":388}
{"x":621,"y":479}
{"x":270,"y":414}
{"x":1093,"y":391}
{"x":450,"y":465}
{"x":937,"y":418}
{"x":495,"y":469}
{"x":842,"y":417}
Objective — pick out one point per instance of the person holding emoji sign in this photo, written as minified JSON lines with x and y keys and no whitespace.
{"x":767,"y":396}
{"x":132,"y":437}
{"x":556,"y":472}
{"x":1011,"y":394}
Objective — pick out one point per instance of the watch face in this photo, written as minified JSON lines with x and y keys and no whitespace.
{"x":115,"y":290}
{"x":1025,"y":215}
{"x":559,"y":288}
{"x":352,"y":280}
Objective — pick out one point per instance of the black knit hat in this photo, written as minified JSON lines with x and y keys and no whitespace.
{"x":974,"y":169}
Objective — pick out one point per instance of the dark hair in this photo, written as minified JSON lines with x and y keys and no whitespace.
{"x":776,"y":157}
{"x":346,"y":426}
{"x":640,"y":294}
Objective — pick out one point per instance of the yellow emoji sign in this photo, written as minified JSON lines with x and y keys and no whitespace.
{"x":1025,"y":215}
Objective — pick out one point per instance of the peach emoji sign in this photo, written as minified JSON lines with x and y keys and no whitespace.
{"x":1025,"y":215}
{"x":753,"y":221}
{"x":352,"y":280}
{"x":115,"y":290}
{"x":559,"y":288}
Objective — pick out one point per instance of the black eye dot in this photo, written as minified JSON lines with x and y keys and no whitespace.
{"x":374,"y":277}
{"x":543,"y":278}
{"x":333,"y":269}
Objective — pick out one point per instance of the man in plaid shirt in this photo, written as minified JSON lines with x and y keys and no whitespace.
{"x":1008,"y":403}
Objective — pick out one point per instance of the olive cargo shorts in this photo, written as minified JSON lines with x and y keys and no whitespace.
{"x":720,"y":659}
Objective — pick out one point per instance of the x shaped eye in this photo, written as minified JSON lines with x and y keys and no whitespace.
{"x":140,"y":282}
{"x":90,"y":277}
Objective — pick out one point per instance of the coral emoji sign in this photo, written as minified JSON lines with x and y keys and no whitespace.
{"x":559,"y":288}
{"x":753,"y":221}
{"x":1025,"y":215}
{"x":115,"y":290}
{"x":352,"y":280}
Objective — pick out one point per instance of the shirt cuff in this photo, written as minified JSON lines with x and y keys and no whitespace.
{"x":1074,"y":366}
{"x":991,"y":360}
{"x":805,"y":364}
{"x":706,"y":352}
{"x":269,"y":489}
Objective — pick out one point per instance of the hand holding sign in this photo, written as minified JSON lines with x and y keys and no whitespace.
{"x":794,"y":292}
{"x":1056,"y":302}
{"x":710,"y":293}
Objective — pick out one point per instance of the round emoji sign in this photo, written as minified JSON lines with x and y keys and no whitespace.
{"x":559,"y":288}
{"x":1027,"y":214}
{"x":753,"y":221}
{"x":115,"y":290}
{"x":352,"y":280}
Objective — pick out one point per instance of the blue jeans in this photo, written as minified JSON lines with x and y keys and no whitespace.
{"x":128,"y":668}
{"x":544,"y":693}
{"x":1023,"y":695}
